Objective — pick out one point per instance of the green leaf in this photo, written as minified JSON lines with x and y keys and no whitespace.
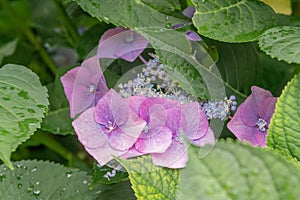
{"x":117,"y":191}
{"x":58,"y":120}
{"x":236,"y":171}
{"x":105,"y":174}
{"x":23,"y":102}
{"x":150,"y":181}
{"x":44,"y":180}
{"x":232,"y":20}
{"x":284,"y":132}
{"x":240,"y":67}
{"x":282,"y":43}
{"x":131,"y":13}
{"x":8,"y":49}
{"x":167,"y":6}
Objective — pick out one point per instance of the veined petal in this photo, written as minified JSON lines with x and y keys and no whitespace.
{"x":156,"y":140}
{"x":194,"y":122}
{"x":88,"y":131}
{"x":209,"y":138}
{"x":120,"y":141}
{"x":135,"y":103}
{"x":174,"y":157}
{"x":189,"y":11}
{"x":267,"y":108}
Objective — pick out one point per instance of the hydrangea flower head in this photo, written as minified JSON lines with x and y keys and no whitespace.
{"x":252,"y":118}
{"x":110,"y":128}
{"x":84,"y":85}
{"x":121,"y":43}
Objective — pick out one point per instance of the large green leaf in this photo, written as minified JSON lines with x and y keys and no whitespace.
{"x":237,"y":171}
{"x":232,"y":20}
{"x":23,"y":102}
{"x":240,"y":67}
{"x":44,"y":180}
{"x":282,"y":43}
{"x":132,"y":13}
{"x":149,"y":181}
{"x":284,"y":132}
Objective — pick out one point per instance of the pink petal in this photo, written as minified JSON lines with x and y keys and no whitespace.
{"x":120,"y":140}
{"x":135,"y":103}
{"x":88,"y":131}
{"x":156,"y":140}
{"x":192,"y":36}
{"x":174,"y":157}
{"x":104,"y":154}
{"x":260,"y":138}
{"x":112,"y":107}
{"x":209,"y":138}
{"x":111,"y":32}
{"x":132,"y":152}
{"x":194,"y":122}
{"x":173,"y":121}
{"x":189,"y":11}
{"x":157,"y":116}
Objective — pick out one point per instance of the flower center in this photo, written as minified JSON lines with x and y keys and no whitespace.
{"x":110,"y":126}
{"x":92,"y":89}
{"x":261,"y":124}
{"x":146,"y":128}
{"x":179,"y":138}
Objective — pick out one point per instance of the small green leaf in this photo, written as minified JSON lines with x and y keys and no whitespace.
{"x":23,"y":102}
{"x":150,"y":181}
{"x":44,"y":180}
{"x":8,"y":49}
{"x":236,"y":171}
{"x":58,"y":122}
{"x":284,"y":132}
{"x":131,"y":13}
{"x":232,"y":20}
{"x":282,"y":43}
{"x":105,"y":175}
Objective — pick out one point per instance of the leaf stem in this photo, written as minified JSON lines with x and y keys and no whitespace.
{"x":30,"y":36}
{"x":67,"y":23}
{"x":48,"y":140}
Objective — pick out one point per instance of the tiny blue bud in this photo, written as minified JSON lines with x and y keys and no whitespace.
{"x":233,"y":108}
{"x":232,"y":97}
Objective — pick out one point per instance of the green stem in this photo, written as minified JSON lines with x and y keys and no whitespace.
{"x":48,"y":141}
{"x":30,"y":36}
{"x":66,"y":21}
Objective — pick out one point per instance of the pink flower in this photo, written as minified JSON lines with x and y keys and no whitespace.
{"x":121,"y":43}
{"x":252,"y":119}
{"x":84,"y":85}
{"x":110,"y":128}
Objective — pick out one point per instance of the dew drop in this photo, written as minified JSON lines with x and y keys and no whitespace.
{"x":2,"y":176}
{"x":36,"y":193}
{"x":37,"y":183}
{"x":20,"y":185}
{"x":19,"y":176}
{"x":85,"y":182}
{"x":76,"y":191}
{"x":19,"y":165}
{"x":68,"y":174}
{"x":106,"y":18}
{"x":34,"y":169}
{"x":30,"y":188}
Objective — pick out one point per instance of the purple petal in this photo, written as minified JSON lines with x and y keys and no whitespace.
{"x":104,"y":154}
{"x":250,"y":106}
{"x":67,"y":81}
{"x":194,"y":122}
{"x":122,"y":43}
{"x":147,"y":104}
{"x":135,"y":103}
{"x":131,"y":50}
{"x":157,"y":116}
{"x":242,"y":131}
{"x":156,"y":140}
{"x":121,"y":141}
{"x":260,"y":138}
{"x":192,"y":36}
{"x":174,"y":157}
{"x":209,"y":138}
{"x":88,"y":131}
{"x":267,"y":108}
{"x":112,"y":107}
{"x":176,"y":26}
{"x":132,"y":152}
{"x":189,"y":11}
{"x":173,"y":121}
